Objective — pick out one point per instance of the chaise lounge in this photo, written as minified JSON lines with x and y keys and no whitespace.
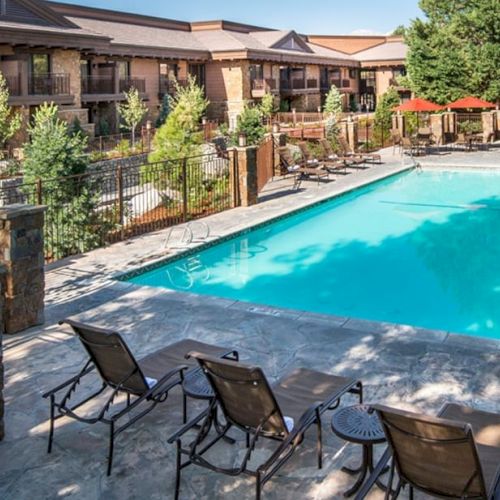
{"x":454,"y":455}
{"x":145,"y":382}
{"x":281,"y":412}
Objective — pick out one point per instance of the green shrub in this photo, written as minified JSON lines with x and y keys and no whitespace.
{"x":250,"y":124}
{"x":470,"y":127}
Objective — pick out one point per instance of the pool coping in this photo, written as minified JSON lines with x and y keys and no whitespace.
{"x":415,"y":333}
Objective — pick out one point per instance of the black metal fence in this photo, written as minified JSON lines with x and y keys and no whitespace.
{"x":88,"y":211}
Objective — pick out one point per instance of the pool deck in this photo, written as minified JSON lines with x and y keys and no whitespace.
{"x":399,"y":365}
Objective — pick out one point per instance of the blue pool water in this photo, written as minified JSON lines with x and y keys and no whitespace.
{"x":422,"y":248}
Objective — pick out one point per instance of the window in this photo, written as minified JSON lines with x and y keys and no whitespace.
{"x":256,"y":72}
{"x":39,"y":64}
{"x":169,"y":71}
{"x":397,"y":72}
{"x":85,"y":68}
{"x":335,"y":74}
{"x":353,"y":73}
{"x":123,"y":68}
{"x":368,"y":78}
{"x":3,"y":7}
{"x":198,"y":71}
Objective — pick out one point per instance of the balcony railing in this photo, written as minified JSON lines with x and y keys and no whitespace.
{"x":49,"y":84}
{"x":167,"y":85}
{"x":312,"y":83}
{"x":13,"y":85}
{"x":298,"y":84}
{"x":266,"y":84}
{"x":98,"y":85}
{"x":346,"y":84}
{"x":132,"y":82}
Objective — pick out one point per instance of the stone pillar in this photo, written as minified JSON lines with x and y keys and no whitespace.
{"x":496,"y":123}
{"x":21,"y":252}
{"x":352,"y":134}
{"x":246,"y":182}
{"x":437,"y":128}
{"x":488,"y":119}
{"x":343,"y":129}
{"x":2,"y":427}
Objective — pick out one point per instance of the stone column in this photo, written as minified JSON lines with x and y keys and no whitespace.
{"x":2,"y":427}
{"x":21,"y":252}
{"x":246,"y":182}
{"x":488,"y":120}
{"x":496,"y":122}
{"x":437,"y":128}
{"x":352,"y":134}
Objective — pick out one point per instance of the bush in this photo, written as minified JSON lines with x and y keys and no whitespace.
{"x":250,"y":124}
{"x":164,"y":111}
{"x":470,"y":127}
{"x":266,"y":106}
{"x":383,"y":115}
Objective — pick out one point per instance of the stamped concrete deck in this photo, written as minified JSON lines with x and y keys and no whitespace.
{"x":398,"y":365}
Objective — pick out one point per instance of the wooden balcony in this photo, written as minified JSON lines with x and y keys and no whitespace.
{"x":98,"y":85}
{"x":131,"y":82}
{"x":167,"y":85}
{"x":49,"y":84}
{"x":13,"y":85}
{"x":299,"y":86}
{"x":260,"y":87}
{"x":340,"y":84}
{"x":105,"y":88}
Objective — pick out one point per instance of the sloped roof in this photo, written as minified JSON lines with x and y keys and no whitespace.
{"x":388,"y":51}
{"x":145,"y":36}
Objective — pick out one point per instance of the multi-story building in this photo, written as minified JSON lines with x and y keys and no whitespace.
{"x":84,"y":59}
{"x":381,"y":63}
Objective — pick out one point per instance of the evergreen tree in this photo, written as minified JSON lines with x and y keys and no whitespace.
{"x":132,"y":112}
{"x":266,"y":106}
{"x":164,"y":111}
{"x":56,"y":157}
{"x":10,"y":121}
{"x":333,"y":102}
{"x":250,"y":124}
{"x":455,"y":51}
{"x":383,"y":114}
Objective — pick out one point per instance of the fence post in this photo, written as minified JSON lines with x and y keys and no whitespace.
{"x":39,"y":191}
{"x":184,"y":190}
{"x":119,"y":188}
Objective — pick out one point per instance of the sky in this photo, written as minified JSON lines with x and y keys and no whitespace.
{"x":304,"y":16}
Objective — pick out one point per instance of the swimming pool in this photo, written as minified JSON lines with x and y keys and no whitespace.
{"x":421,"y":248}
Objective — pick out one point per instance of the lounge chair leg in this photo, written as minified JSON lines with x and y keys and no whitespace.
{"x":184,"y":408}
{"x":258,"y":487}
{"x":248,"y":439}
{"x":111,"y":446}
{"x":178,"y":470}
{"x":411,"y":492}
{"x":51,"y":429}
{"x":320,"y":440}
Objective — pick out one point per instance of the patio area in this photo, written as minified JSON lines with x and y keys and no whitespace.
{"x":400,"y":366}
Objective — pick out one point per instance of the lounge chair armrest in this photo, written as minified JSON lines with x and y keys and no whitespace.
{"x":159,"y":387}
{"x":302,"y":425}
{"x":187,"y":427}
{"x":68,"y":382}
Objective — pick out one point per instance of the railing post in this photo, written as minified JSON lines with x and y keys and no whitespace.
{"x":119,"y":188}
{"x":39,"y":191}
{"x":184,"y":190}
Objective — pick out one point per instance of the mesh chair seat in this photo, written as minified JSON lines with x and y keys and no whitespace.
{"x":302,"y":388}
{"x":156,"y":364}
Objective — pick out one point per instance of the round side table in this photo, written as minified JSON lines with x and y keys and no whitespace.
{"x":358,"y":424}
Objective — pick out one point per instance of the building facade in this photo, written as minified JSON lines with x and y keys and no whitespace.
{"x":84,"y":59}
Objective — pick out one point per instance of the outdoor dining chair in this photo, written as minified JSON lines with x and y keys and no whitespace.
{"x":144,"y":382}
{"x":281,"y":412}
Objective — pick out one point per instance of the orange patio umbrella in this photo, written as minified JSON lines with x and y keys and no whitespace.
{"x":418,"y":105}
{"x":471,"y":103}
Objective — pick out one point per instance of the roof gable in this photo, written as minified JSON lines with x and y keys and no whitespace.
{"x":32,"y":12}
{"x":291,"y":41}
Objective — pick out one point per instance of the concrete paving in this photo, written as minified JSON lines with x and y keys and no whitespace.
{"x":399,"y":365}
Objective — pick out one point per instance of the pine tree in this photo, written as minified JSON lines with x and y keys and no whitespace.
{"x":333,"y":102}
{"x":10,"y":121}
{"x":164,"y":111}
{"x":383,"y":114}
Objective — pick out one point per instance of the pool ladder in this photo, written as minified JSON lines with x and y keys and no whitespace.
{"x":186,"y":234}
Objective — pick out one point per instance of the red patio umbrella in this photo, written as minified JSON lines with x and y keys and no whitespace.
{"x":471,"y":103}
{"x":418,"y":105}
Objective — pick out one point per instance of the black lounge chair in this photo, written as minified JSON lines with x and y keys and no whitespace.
{"x":282,"y":412}
{"x":456,"y":455}
{"x":332,"y":165}
{"x":144,"y":382}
